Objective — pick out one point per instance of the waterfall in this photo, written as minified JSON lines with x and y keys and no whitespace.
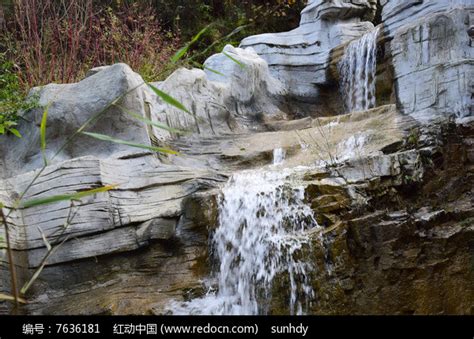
{"x":259,"y":240}
{"x":278,"y":156}
{"x":357,"y":71}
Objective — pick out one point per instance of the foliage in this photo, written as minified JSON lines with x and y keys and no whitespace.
{"x":66,"y":197}
{"x":12,"y":98}
{"x":59,"y":40}
{"x":258,"y":16}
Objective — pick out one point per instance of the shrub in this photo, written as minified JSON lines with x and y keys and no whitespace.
{"x":258,"y":16}
{"x":12,"y":99}
{"x":59,"y":40}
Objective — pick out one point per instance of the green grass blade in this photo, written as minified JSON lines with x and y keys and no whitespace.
{"x":213,"y":71}
{"x":241,"y":65}
{"x":129,"y":143}
{"x":168,"y":99}
{"x":182,"y":51}
{"x":197,"y":64}
{"x":66,"y":197}
{"x":236,"y":30}
{"x":149,"y":122}
{"x":44,"y":119}
{"x":218,"y":41}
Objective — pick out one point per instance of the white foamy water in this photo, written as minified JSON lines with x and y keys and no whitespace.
{"x":260,"y":237}
{"x":278,"y":156}
{"x":358,"y":69}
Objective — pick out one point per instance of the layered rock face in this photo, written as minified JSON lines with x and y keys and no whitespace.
{"x":300,"y":58}
{"x":432,"y":56}
{"x":390,"y":188}
{"x":425,"y":51}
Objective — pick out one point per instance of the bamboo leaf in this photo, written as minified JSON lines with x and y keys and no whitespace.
{"x":63,"y":197}
{"x":45,"y":240}
{"x":241,"y":65}
{"x":149,"y":122}
{"x":11,"y":298}
{"x":168,"y":99}
{"x":214,"y":71}
{"x":44,"y":119}
{"x":236,"y":30}
{"x":129,"y":143}
{"x":15,"y":132}
{"x":43,"y":128}
{"x":227,"y":37}
{"x":197,"y":64}
{"x":182,"y":51}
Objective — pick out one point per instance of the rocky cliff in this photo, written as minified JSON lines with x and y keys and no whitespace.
{"x":390,"y":188}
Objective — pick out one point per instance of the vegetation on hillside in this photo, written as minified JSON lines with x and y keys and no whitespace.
{"x":45,"y":41}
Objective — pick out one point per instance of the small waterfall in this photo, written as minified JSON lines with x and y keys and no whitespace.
{"x":357,"y":70}
{"x":278,"y":156}
{"x":259,"y":240}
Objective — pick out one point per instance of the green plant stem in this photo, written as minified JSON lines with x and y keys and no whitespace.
{"x":10,"y":259}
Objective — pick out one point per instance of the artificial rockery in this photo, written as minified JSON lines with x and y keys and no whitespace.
{"x":325,"y":170}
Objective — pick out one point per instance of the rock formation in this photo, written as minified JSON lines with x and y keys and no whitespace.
{"x":432,"y":56}
{"x":391,"y":187}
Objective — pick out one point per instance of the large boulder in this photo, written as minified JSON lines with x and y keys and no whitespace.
{"x":102,"y":103}
{"x":300,"y":58}
{"x":234,"y":93}
{"x":71,"y":106}
{"x":433,"y":56}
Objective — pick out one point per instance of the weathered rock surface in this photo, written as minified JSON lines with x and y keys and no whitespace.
{"x":425,"y":52}
{"x":394,"y":197}
{"x":235,"y":101}
{"x":380,"y":178}
{"x":408,"y":248}
{"x":69,"y":107}
{"x":300,"y":58}
{"x":103,"y":101}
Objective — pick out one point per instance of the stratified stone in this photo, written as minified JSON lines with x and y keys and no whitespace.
{"x":433,"y":56}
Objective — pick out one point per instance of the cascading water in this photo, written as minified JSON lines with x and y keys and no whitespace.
{"x":260,"y":237}
{"x":357,"y":70}
{"x":278,"y":156}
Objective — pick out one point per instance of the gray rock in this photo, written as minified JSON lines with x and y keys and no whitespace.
{"x":70,"y":106}
{"x":357,"y":175}
{"x":433,"y":57}
{"x":220,"y":104}
{"x":300,"y":58}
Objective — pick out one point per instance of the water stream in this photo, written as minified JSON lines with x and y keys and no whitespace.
{"x":357,"y":70}
{"x":279,"y":155}
{"x":259,"y":245}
